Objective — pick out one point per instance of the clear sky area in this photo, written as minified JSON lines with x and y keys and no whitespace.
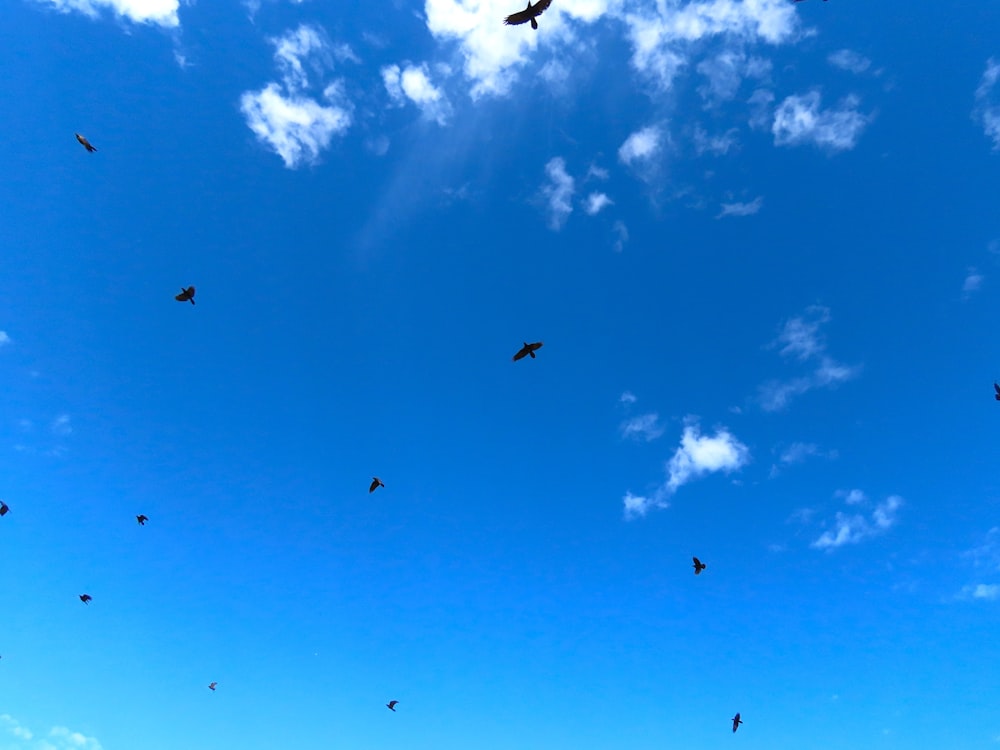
{"x":760,"y":242}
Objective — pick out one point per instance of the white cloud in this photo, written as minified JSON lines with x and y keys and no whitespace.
{"x":741,"y":209}
{"x":286,"y":116}
{"x":58,"y":738}
{"x":414,"y":84}
{"x":849,"y":60}
{"x":13,"y":726}
{"x":973,"y":281}
{"x":4,"y":338}
{"x":595,"y":202}
{"x":856,"y":527}
{"x":641,"y":145}
{"x":987,"y":554}
{"x":643,"y":427}
{"x":159,"y":12}
{"x":628,"y":398}
{"x":62,"y":426}
{"x":621,"y":235}
{"x":725,"y":72}
{"x":799,"y":120}
{"x":714,"y":144}
{"x":985,"y":591}
{"x":697,"y":456}
{"x":986,"y":109}
{"x":558,"y":192}
{"x":797,"y":453}
{"x":800,"y":339}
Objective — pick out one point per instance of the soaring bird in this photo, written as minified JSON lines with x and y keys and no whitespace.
{"x":996,"y":387}
{"x":85,"y":598}
{"x":186,"y":295}
{"x":391,"y":705}
{"x":141,"y":518}
{"x":737,"y":721}
{"x":85,"y":143}
{"x":376,"y":483}
{"x":698,"y":566}
{"x":528,"y":14}
{"x":4,"y":509}
{"x":528,"y":350}
{"x":211,"y":686}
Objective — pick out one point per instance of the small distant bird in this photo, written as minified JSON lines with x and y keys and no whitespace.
{"x":698,"y":566}
{"x":376,"y":483}
{"x":391,"y":705}
{"x":528,"y":350}
{"x":211,"y":686}
{"x":85,"y":598}
{"x":996,"y":387}
{"x":85,"y":143}
{"x":5,"y":509}
{"x":737,"y":721}
{"x":528,"y":14}
{"x":186,"y":295}
{"x":142,"y":518}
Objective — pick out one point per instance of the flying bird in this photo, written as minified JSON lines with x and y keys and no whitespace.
{"x":391,"y":705}
{"x":5,"y":509}
{"x":528,"y":14}
{"x":996,"y":387}
{"x":142,"y":518}
{"x":186,"y":295}
{"x":85,"y":598}
{"x":528,"y":350}
{"x":85,"y":143}
{"x":737,"y":721}
{"x":698,"y":566}
{"x":376,"y":483}
{"x":211,"y":686}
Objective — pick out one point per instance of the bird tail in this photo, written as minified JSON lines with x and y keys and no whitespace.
{"x":534,"y":24}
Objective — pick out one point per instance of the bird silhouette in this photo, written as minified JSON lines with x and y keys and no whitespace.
{"x":528,"y":350}
{"x":85,"y":598}
{"x":698,"y":566}
{"x":141,"y":518}
{"x":391,"y":705}
{"x":85,"y":143}
{"x":996,"y":387}
{"x":211,"y":686}
{"x":186,"y":295}
{"x":376,"y":483}
{"x":528,"y":14}
{"x":737,"y":721}
{"x":4,"y":508}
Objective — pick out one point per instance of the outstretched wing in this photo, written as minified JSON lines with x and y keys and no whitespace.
{"x":182,"y":297}
{"x":996,"y":387}
{"x":536,"y":346}
{"x":523,"y":352}
{"x":697,"y":565}
{"x":522,"y":16}
{"x":539,"y":7}
{"x":374,"y":485}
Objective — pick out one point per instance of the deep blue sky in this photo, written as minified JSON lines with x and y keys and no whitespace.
{"x":759,"y":241}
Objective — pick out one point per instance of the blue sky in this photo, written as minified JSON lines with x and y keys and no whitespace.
{"x":759,"y":241}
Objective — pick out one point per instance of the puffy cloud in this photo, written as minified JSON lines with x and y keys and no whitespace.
{"x":741,"y":209}
{"x":641,"y":145}
{"x":800,"y":120}
{"x":987,"y":110}
{"x":159,"y":12}
{"x":596,"y":202}
{"x":852,"y":528}
{"x":413,"y":83}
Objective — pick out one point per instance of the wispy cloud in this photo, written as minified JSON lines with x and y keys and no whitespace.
{"x":628,"y":398}
{"x":641,"y":145}
{"x":158,"y":12}
{"x":725,"y":72}
{"x":697,"y":456}
{"x":4,"y":338}
{"x":989,"y":592}
{"x":973,"y":281}
{"x":621,"y":235}
{"x":58,"y":738}
{"x":62,"y":426}
{"x":717,"y":145}
{"x":799,"y":120}
{"x":852,"y":528}
{"x":413,"y":83}
{"x":293,"y":122}
{"x":849,"y":60}
{"x":986,"y":109}
{"x":797,"y":453}
{"x":596,"y":202}
{"x":800,"y":339}
{"x":645,"y":427}
{"x":741,"y":209}
{"x":558,"y":192}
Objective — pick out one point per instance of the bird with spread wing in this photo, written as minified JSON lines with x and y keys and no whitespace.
{"x":737,"y":721}
{"x":4,"y":508}
{"x":529,"y":14}
{"x":391,"y":705}
{"x":996,"y":387}
{"x":142,"y":518}
{"x":186,"y":295}
{"x":376,"y":483}
{"x":698,"y":566}
{"x":528,"y":350}
{"x":86,"y":598}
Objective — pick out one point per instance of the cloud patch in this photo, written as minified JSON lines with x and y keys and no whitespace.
{"x":413,"y":83}
{"x":641,"y":146}
{"x":853,"y":528}
{"x":849,"y":60}
{"x":596,"y":202}
{"x":158,"y":12}
{"x":644,"y":427}
{"x":800,"y":120}
{"x":986,"y":110}
{"x":741,"y":209}
{"x":558,"y":192}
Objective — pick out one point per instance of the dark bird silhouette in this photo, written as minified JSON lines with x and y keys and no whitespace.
{"x":4,"y":508}
{"x":211,"y":686}
{"x":996,"y":387}
{"x":141,"y":518}
{"x":391,"y":705}
{"x":528,"y":14}
{"x":737,"y":721}
{"x":528,"y":350}
{"x":186,"y":295}
{"x":376,"y":483}
{"x":698,"y":566}
{"x":85,"y":143}
{"x":85,"y":598}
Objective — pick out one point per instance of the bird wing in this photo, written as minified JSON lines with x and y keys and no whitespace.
{"x":697,"y":562}
{"x":536,"y":346}
{"x":540,"y":7}
{"x":392,"y":704}
{"x":996,"y":387}
{"x":182,"y":297}
{"x":522,"y":353}
{"x":522,"y":16}
{"x":373,"y":485}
